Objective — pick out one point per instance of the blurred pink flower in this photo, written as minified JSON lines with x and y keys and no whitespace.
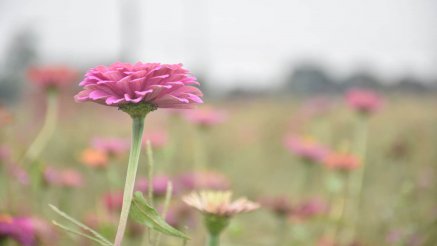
{"x":113,"y":201}
{"x":279,"y":205}
{"x":306,"y":148}
{"x":158,"y":138}
{"x":180,"y":215}
{"x":111,"y":146}
{"x":309,"y":209}
{"x":51,"y":76}
{"x":342,"y":161}
{"x":206,"y":116}
{"x":19,"y":174}
{"x":163,"y":85}
{"x":160,"y":183}
{"x":19,"y":229}
{"x":363,"y":100}
{"x":203,"y":180}
{"x":67,"y":178}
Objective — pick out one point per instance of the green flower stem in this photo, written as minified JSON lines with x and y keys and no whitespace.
{"x":137,"y":133}
{"x":168,"y":196}
{"x":213,"y":240}
{"x":358,"y":181}
{"x":47,"y":129}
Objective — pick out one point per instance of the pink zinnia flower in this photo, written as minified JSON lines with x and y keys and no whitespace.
{"x":51,"y":77}
{"x":162,"y":85}
{"x":206,"y":116}
{"x":158,"y":138}
{"x":20,"y":229}
{"x":111,"y":146}
{"x":342,"y":161}
{"x":309,"y":209}
{"x":160,"y":183}
{"x":113,"y":201}
{"x":68,"y":178}
{"x":203,"y":180}
{"x":279,"y":205}
{"x":363,"y":100}
{"x":306,"y":148}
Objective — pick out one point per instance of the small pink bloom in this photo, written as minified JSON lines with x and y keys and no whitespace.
{"x":160,"y":183}
{"x":203,"y":180}
{"x":306,"y":148}
{"x":113,"y":201}
{"x":342,"y":161}
{"x":363,"y":100}
{"x":68,"y":178}
{"x":163,"y":85}
{"x":158,"y":138}
{"x":205,"y":117}
{"x":279,"y":205}
{"x":111,"y":146}
{"x":309,"y":209}
{"x":51,"y":77}
{"x":20,"y":229}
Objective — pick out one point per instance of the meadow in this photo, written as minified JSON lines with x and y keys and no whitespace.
{"x":241,"y":146}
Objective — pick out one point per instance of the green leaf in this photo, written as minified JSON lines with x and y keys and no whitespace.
{"x":147,"y":215}
{"x":96,"y":236}
{"x":95,"y":239}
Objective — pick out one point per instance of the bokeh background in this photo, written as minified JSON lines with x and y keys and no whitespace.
{"x":272,"y":69}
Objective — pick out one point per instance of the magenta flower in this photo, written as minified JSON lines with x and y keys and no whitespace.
{"x":280,"y":205}
{"x":309,"y":209}
{"x":202,"y":180}
{"x":51,"y":76}
{"x":20,"y":229}
{"x":162,"y":85}
{"x":206,"y":116}
{"x":363,"y":100}
{"x":111,"y":146}
{"x":160,"y":183}
{"x":113,"y":201}
{"x":68,"y":178}
{"x":306,"y":148}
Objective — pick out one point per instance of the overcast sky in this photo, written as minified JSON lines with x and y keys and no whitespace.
{"x":237,"y":42}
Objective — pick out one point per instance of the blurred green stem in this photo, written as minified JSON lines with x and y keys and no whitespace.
{"x":47,"y":129}
{"x":213,"y":240}
{"x":168,"y":195}
{"x":137,"y":133}
{"x":358,"y":181}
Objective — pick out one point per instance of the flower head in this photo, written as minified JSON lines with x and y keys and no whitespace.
{"x":279,"y":205}
{"x":68,"y":178}
{"x":306,"y":148}
{"x":94,"y":158}
{"x":51,"y":76}
{"x":197,"y":180}
{"x":19,"y":229}
{"x":160,"y":85}
{"x":309,"y":209}
{"x":113,"y":201}
{"x":160,"y":183}
{"x":363,"y":100}
{"x":342,"y":161}
{"x":111,"y":146}
{"x":219,"y":203}
{"x":205,"y":117}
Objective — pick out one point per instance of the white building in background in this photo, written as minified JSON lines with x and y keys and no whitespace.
{"x":249,"y":41}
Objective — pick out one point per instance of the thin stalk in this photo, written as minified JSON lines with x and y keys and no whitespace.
{"x":134,"y":155}
{"x":47,"y":129}
{"x":168,"y":195}
{"x":150,"y":170}
{"x":358,"y":181}
{"x":213,"y":240}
